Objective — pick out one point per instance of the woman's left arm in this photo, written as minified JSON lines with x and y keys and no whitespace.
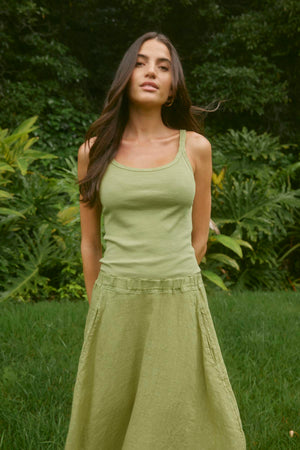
{"x":200,"y":149}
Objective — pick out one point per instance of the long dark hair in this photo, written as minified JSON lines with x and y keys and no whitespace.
{"x":109,"y":127}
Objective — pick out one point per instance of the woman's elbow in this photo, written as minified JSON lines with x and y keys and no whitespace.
{"x":90,"y":246}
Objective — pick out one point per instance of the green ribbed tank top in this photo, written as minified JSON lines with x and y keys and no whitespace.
{"x":147,"y":216}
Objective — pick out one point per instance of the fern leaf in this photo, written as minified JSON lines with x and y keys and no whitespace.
{"x":224,"y":259}
{"x":22,"y":283}
{"x":228,"y":242}
{"x":214,"y":278}
{"x":10,"y":212}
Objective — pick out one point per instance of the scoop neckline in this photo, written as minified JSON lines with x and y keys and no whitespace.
{"x":152,"y":169}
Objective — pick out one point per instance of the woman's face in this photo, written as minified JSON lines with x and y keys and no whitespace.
{"x":151,"y":79}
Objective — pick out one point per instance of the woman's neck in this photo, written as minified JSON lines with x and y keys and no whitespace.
{"x":145,"y":124}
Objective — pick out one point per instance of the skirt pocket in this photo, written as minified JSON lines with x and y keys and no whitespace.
{"x":96,"y":309}
{"x":211,"y":339}
{"x":213,"y":347}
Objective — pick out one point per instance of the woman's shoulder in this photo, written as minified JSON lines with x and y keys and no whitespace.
{"x":198,"y":144}
{"x":84,"y":149}
{"x":84,"y":156}
{"x":197,"y":139}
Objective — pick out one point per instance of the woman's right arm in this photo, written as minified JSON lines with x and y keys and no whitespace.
{"x":91,"y":250}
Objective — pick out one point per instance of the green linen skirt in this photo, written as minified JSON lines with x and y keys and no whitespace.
{"x":151,"y":374}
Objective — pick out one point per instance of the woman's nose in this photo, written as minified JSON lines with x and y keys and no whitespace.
{"x":151,"y":72}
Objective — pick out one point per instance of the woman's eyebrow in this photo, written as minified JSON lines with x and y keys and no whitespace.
{"x":158,"y":59}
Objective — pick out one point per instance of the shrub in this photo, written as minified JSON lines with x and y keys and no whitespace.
{"x":256,"y":202}
{"x":40,"y":228}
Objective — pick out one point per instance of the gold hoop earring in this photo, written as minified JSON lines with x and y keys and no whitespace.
{"x":169,"y":103}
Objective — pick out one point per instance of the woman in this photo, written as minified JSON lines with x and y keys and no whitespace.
{"x":151,"y":375}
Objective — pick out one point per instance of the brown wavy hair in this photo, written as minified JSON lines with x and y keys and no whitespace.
{"x":109,"y":127}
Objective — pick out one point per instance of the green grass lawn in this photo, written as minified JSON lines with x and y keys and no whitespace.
{"x":259,"y":334}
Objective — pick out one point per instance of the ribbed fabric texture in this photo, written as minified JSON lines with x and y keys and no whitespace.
{"x":148,"y":219}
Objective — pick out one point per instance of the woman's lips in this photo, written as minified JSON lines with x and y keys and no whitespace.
{"x":151,"y":87}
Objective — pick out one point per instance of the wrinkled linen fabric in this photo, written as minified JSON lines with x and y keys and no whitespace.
{"x":151,"y":374}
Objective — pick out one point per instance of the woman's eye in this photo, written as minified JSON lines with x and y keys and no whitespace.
{"x":164,"y":68}
{"x":138,"y":64}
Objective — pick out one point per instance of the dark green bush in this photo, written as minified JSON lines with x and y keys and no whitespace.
{"x":256,"y":202}
{"x":39,"y":223}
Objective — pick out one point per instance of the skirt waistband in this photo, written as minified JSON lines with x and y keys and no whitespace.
{"x":185,"y":282}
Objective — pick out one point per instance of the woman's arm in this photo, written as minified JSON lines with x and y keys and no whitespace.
{"x":200,"y":149}
{"x":91,"y":250}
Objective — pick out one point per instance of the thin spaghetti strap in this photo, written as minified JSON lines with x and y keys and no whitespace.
{"x":182,"y":141}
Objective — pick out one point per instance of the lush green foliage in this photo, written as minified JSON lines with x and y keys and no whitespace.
{"x":39,"y":231}
{"x":245,"y":53}
{"x":215,"y":259}
{"x":62,"y":129}
{"x":39,"y":76}
{"x":248,"y":88}
{"x":255,"y":201}
{"x":57,"y":62}
{"x":35,"y":65}
{"x":258,"y":334}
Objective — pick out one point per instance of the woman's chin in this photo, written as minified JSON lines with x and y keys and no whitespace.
{"x":146,"y":103}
